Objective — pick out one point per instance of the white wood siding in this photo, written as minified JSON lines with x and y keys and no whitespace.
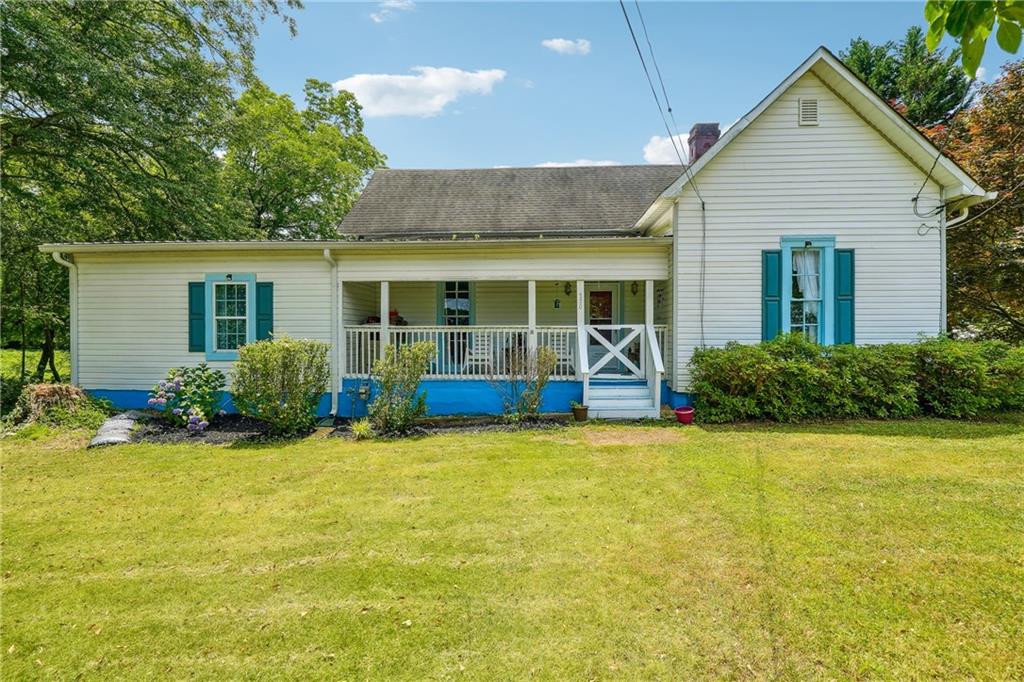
{"x":133,"y":309}
{"x":777,"y":178}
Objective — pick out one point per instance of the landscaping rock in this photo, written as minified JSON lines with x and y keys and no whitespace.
{"x":116,"y":430}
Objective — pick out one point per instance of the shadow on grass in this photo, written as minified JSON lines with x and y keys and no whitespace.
{"x":1007,"y":424}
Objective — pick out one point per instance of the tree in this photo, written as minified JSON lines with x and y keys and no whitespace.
{"x":295,"y":173}
{"x":110,"y":113}
{"x":986,"y":252}
{"x":971,"y":22}
{"x":925,"y":86}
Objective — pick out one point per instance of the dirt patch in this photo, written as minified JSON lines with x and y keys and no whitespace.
{"x":633,"y":436}
{"x":229,"y":428}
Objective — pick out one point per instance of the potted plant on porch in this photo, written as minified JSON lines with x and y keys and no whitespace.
{"x":579,"y":411}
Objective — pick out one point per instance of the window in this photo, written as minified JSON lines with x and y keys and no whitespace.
{"x":808,"y":289}
{"x":805,"y":302}
{"x":457,"y":304}
{"x":230,"y":315}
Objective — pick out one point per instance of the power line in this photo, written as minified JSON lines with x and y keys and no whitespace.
{"x":989,"y":208}
{"x":949,"y":122}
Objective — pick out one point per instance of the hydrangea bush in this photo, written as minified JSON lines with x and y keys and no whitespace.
{"x":189,"y":396}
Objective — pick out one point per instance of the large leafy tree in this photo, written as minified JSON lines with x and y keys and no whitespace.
{"x":296,"y":174}
{"x":986,"y":252}
{"x":925,"y":86}
{"x":971,"y":23}
{"x":110,"y":113}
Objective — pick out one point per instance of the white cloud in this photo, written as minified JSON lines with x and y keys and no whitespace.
{"x":659,"y":149}
{"x":577,"y":162}
{"x":981,"y":73}
{"x":388,"y":9}
{"x":424,"y":94}
{"x":566,"y":46}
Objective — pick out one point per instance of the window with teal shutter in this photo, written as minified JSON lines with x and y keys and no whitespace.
{"x":844,"y":296}
{"x":230,"y":320}
{"x":771,"y":294}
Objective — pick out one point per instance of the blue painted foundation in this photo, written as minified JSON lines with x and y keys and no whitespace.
{"x":444,"y":397}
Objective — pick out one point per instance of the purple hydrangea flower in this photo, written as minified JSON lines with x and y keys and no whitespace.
{"x":151,"y":401}
{"x":176,"y":410}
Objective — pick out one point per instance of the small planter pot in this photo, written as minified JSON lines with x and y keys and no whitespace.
{"x":580,"y":413}
{"x":684,"y":415}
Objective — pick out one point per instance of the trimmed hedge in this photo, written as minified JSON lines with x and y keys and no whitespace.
{"x":791,"y":379}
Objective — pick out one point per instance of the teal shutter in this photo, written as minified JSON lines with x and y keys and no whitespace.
{"x":844,"y":296}
{"x":771,"y":294}
{"x":264,"y":310}
{"x":196,"y":317}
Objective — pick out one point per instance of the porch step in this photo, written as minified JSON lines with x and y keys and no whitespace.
{"x":621,"y":400}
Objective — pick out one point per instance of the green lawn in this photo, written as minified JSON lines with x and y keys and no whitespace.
{"x":892,"y":550}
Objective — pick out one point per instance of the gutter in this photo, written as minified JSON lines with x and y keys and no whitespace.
{"x":73,"y":309}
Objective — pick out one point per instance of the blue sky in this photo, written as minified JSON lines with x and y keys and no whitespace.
{"x":465,"y":85}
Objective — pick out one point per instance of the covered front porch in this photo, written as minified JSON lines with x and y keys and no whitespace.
{"x":608,"y":336}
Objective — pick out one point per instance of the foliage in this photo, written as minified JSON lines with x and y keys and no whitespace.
{"x":189,"y":396}
{"x":297,"y":173}
{"x":362,"y":429}
{"x":281,"y":382}
{"x":110,"y":114}
{"x":925,"y":86}
{"x":790,"y":379}
{"x":971,"y":22}
{"x":396,"y":377}
{"x":986,"y":252}
{"x":61,"y":405}
{"x":521,"y":386}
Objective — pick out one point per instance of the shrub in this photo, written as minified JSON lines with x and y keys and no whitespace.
{"x":952,"y":377}
{"x":189,"y":396}
{"x":1006,"y":387}
{"x":396,"y":379}
{"x":790,"y":379}
{"x":362,"y":429}
{"x":521,"y":387}
{"x":281,"y":381}
{"x":10,"y":390}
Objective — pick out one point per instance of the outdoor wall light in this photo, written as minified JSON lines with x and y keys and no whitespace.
{"x":635,"y":287}
{"x":568,"y":288}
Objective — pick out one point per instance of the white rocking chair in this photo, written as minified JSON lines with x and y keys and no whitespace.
{"x":558,"y":343}
{"x":480,"y":356}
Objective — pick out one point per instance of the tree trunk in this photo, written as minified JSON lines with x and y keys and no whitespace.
{"x":47,"y":356}
{"x":22,"y":375}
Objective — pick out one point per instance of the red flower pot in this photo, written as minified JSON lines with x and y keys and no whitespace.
{"x":684,"y":415}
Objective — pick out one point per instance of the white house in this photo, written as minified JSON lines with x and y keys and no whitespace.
{"x":799,"y":218}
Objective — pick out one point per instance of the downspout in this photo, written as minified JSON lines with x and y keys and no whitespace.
{"x":943,"y":325}
{"x":334,"y":331}
{"x":72,"y":310}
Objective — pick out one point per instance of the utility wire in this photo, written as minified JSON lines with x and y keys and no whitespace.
{"x":950,"y":122}
{"x":989,"y":208}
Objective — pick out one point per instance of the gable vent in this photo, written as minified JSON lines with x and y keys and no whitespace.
{"x":807,"y":112}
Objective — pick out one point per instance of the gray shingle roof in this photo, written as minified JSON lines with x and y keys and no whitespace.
{"x":507,"y":202}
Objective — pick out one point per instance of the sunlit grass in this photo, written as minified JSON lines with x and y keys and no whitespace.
{"x":862,"y":550}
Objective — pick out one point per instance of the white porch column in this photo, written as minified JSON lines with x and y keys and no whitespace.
{"x":649,"y":302}
{"x":531,"y":315}
{"x":385,"y":318}
{"x":581,"y":313}
{"x":342,"y":336}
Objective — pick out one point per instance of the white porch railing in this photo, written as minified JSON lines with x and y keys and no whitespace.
{"x":475,"y":352}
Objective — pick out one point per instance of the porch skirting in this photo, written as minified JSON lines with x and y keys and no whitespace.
{"x":444,"y":398}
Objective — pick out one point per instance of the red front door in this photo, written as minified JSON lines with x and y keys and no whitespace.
{"x":600,"y":312}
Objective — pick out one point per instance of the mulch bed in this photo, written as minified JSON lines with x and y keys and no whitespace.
{"x":487,"y":424}
{"x":230,"y":428}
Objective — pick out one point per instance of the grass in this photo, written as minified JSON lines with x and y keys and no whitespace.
{"x":864,"y":550}
{"x":10,"y":363}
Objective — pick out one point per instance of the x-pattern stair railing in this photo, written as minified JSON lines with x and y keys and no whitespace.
{"x":616,"y":351}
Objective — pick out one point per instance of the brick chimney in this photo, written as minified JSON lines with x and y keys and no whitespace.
{"x":702,"y":136}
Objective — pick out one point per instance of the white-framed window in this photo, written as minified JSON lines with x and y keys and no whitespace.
{"x":805,"y":303}
{"x":230,"y":315}
{"x":457,"y":311}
